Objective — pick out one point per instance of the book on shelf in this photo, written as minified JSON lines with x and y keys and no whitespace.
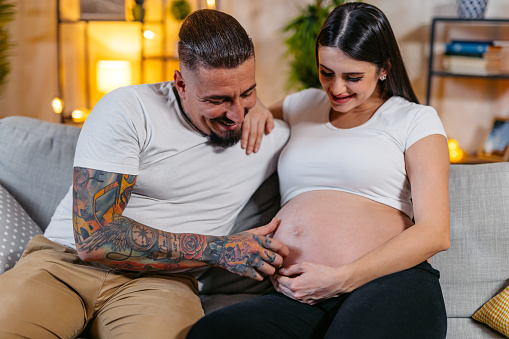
{"x":467,"y":47}
{"x":470,"y":65}
{"x":466,"y":57}
{"x":501,"y":43}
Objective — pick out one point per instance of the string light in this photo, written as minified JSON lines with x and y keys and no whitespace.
{"x":148,"y":34}
{"x":80,"y":115}
{"x":455,"y":152}
{"x":58,"y":105}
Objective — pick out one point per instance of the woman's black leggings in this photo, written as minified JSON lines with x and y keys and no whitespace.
{"x":407,"y":304}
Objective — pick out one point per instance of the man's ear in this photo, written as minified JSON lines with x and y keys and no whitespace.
{"x":180,"y":84}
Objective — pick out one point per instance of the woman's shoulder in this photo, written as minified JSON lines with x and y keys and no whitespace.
{"x":409,"y":120}
{"x":308,"y":94}
{"x":304,"y":102}
{"x":404,"y":110}
{"x":402,"y":103}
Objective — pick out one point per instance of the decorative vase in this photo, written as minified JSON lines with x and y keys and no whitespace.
{"x":471,"y":9}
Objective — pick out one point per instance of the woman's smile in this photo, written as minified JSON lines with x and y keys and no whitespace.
{"x":342,"y":99}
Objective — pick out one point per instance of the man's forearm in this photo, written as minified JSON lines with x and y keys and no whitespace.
{"x":102,"y":234}
{"x":127,"y":244}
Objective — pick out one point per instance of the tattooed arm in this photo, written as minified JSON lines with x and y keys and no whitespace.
{"x":102,"y":234}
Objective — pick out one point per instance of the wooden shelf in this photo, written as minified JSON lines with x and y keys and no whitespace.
{"x":473,"y":159}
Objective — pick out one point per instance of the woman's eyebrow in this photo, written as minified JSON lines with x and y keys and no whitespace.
{"x":349,"y":73}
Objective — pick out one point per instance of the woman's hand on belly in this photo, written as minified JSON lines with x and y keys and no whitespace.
{"x":310,"y":283}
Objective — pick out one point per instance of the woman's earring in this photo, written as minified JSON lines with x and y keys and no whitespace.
{"x":383,"y":77}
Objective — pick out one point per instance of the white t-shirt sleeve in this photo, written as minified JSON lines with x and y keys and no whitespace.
{"x":110,"y":140}
{"x":424,"y":123}
{"x":301,"y":102}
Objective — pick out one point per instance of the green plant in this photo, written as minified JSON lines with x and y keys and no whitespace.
{"x":138,"y":10}
{"x":300,"y":44}
{"x":6,"y":16}
{"x":180,"y":9}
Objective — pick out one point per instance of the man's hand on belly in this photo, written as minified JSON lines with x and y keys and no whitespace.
{"x":249,"y":253}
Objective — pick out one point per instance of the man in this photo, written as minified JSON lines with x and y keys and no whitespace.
{"x":159,"y":179}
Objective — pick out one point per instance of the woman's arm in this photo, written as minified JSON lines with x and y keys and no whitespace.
{"x":427,"y":163}
{"x":277,"y":109}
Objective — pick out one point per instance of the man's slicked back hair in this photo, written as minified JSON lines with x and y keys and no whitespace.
{"x":213,"y":39}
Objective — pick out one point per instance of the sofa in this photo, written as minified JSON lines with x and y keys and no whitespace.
{"x":36,"y":171}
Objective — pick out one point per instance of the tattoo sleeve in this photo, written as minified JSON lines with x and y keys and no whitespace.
{"x":102,"y":234}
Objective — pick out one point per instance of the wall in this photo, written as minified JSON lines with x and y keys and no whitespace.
{"x":32,"y":83}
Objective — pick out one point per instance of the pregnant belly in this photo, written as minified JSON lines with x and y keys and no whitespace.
{"x":334,"y":228}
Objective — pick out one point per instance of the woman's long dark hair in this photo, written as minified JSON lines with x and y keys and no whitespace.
{"x":363,"y":32}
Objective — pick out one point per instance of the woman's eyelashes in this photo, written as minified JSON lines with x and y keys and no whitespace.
{"x":347,"y":77}
{"x":326,"y":74}
{"x":354,"y":79}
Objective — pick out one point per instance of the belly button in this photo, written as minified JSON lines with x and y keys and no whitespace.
{"x":297,"y":231}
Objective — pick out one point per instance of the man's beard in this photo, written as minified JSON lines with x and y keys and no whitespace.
{"x":228,"y":139}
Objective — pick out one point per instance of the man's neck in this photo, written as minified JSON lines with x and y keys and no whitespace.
{"x":184,"y":113}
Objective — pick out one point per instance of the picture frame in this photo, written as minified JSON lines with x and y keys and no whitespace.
{"x":495,"y":146}
{"x":113,"y":10}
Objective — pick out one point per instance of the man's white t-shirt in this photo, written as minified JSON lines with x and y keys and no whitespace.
{"x":184,"y":184}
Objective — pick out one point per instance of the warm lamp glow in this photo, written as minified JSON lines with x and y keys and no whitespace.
{"x":211,"y":3}
{"x":455,"y":152}
{"x":113,"y":74}
{"x":148,"y":34}
{"x":80,"y":115}
{"x":58,"y":105}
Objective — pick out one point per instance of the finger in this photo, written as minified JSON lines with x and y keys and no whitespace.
{"x":274,"y":282}
{"x":246,"y":126}
{"x":276,"y":246}
{"x":266,"y":269}
{"x":246,"y":271}
{"x":286,"y":291}
{"x":266,"y":262}
{"x":257,"y":268}
{"x":254,"y":274}
{"x":272,"y":258}
{"x":265,"y":229}
{"x":292,"y":270}
{"x":272,"y":244}
{"x":284,"y":282}
{"x":259,"y":136}
{"x":253,"y":131}
{"x":269,"y":126}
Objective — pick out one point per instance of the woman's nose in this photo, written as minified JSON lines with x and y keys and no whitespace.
{"x":338,"y":86}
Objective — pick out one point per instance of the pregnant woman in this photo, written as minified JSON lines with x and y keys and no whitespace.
{"x":364,"y":185}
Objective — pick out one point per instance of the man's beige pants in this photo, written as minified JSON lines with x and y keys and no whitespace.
{"x":51,"y":293}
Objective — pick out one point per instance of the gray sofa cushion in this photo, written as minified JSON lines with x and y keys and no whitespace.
{"x":36,"y":159}
{"x":466,"y":328}
{"x":16,"y":227}
{"x":476,"y":267}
